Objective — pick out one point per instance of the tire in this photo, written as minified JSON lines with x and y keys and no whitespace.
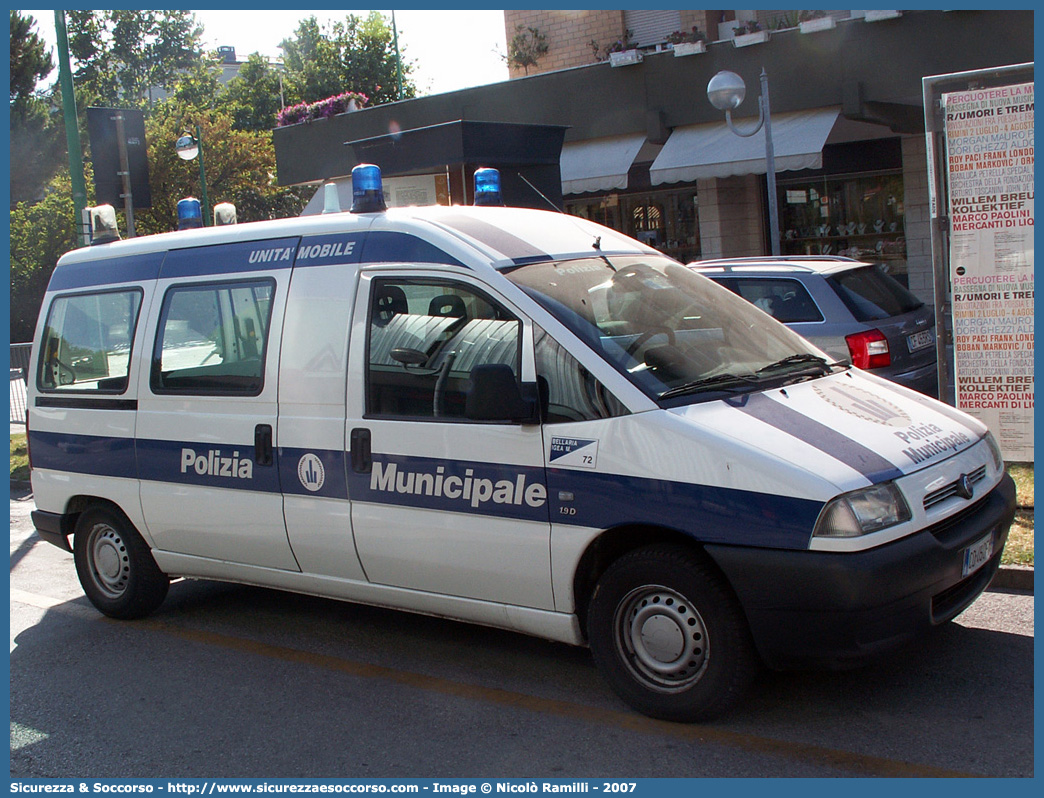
{"x":115,"y":566}
{"x":668,"y":635}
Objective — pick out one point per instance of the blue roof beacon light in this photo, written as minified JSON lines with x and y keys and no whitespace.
{"x":190,"y":214}
{"x":487,"y":187}
{"x":367,"y":189}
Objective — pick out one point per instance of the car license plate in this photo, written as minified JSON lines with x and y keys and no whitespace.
{"x":920,"y":340}
{"x":977,"y":555}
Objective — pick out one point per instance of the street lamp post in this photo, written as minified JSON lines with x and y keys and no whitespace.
{"x":726,"y":91}
{"x":188,"y":147}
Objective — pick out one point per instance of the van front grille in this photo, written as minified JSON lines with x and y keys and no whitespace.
{"x":954,"y":488}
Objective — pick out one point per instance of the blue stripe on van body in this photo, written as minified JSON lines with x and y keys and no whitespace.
{"x":839,"y":446}
{"x":512,"y":247}
{"x":707,"y":513}
{"x":334,"y":483}
{"x":382,"y":246}
{"x":109,"y":271}
{"x":456,"y":486}
{"x":222,"y":259}
{"x":261,"y":255}
{"x":84,"y":454}
{"x":212,"y":465}
{"x":328,"y":249}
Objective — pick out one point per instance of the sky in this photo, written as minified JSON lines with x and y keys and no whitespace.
{"x":450,"y":49}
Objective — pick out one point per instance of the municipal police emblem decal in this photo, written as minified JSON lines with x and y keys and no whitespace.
{"x":311,"y":472}
{"x":863,"y":404}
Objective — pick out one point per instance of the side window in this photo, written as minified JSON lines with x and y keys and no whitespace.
{"x":424,"y":338}
{"x":785,"y":300}
{"x":87,"y":342}
{"x":212,"y":339}
{"x":572,"y":393}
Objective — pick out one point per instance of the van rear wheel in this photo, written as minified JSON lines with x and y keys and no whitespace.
{"x":668,"y":635}
{"x":115,"y":566}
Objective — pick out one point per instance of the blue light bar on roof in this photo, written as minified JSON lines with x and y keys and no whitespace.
{"x":190,"y":214}
{"x":367,"y":189}
{"x":487,"y":187}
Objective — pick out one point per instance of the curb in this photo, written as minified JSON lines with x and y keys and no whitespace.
{"x":1013,"y":577}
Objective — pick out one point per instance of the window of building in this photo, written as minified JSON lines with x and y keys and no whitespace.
{"x":87,"y":342}
{"x":665,"y":220}
{"x":649,"y":28}
{"x":212,"y":339}
{"x":856,"y":216}
{"x":424,"y":338}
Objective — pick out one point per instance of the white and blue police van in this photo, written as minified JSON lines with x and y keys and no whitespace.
{"x":505,"y":416}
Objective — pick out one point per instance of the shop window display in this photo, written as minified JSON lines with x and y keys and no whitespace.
{"x":859,"y":217}
{"x":665,"y":220}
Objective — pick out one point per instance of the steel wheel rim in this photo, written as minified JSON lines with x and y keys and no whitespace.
{"x":662,"y":638}
{"x":108,"y":560}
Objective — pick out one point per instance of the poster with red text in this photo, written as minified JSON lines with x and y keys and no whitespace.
{"x":989,"y":154}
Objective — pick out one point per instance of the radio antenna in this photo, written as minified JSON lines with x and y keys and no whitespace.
{"x":598,"y":239}
{"x":538,"y":191}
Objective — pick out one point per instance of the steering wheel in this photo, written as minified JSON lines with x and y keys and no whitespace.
{"x":645,"y":336}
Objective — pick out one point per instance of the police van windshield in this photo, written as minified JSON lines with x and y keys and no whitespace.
{"x":673,"y":333}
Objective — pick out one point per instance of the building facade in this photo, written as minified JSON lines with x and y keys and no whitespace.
{"x":645,"y":152}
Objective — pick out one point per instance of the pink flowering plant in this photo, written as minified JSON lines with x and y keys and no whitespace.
{"x":323,"y":109}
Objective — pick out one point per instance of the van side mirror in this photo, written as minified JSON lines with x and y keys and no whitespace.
{"x":494,"y":395}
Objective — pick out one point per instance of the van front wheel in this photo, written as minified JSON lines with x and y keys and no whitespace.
{"x":115,"y":566}
{"x":668,"y":635}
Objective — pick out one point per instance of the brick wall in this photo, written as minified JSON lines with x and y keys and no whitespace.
{"x":568,"y":34}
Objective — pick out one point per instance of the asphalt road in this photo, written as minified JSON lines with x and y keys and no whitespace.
{"x":233,"y":681}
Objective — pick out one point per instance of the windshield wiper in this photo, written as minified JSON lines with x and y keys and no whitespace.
{"x":720,"y":381}
{"x":807,"y":359}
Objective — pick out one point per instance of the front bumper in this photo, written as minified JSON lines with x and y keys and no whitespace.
{"x":840,"y":609}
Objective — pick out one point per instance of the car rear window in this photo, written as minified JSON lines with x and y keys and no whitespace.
{"x":785,"y":300}
{"x":871,"y":294}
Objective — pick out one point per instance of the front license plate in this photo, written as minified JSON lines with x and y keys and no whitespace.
{"x":977,"y":555}
{"x":920,"y":340}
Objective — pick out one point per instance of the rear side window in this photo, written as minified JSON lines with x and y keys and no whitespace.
{"x":212,"y":339}
{"x":87,"y":342}
{"x":785,"y":300}
{"x":871,"y":294}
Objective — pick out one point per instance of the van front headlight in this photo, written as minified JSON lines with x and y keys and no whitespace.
{"x":995,"y":451}
{"x":862,"y":512}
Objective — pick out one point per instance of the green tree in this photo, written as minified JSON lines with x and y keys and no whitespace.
{"x":526,"y":48}
{"x":240,"y":168}
{"x":356,"y":55}
{"x":199,"y":86}
{"x":30,"y":62}
{"x":368,"y":60}
{"x":312,"y":62}
{"x":40,"y":234}
{"x":122,"y":55}
{"x":36,"y":143}
{"x":253,"y":95}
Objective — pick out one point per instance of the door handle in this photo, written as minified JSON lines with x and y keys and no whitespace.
{"x":362,"y":458}
{"x":263,"y":444}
